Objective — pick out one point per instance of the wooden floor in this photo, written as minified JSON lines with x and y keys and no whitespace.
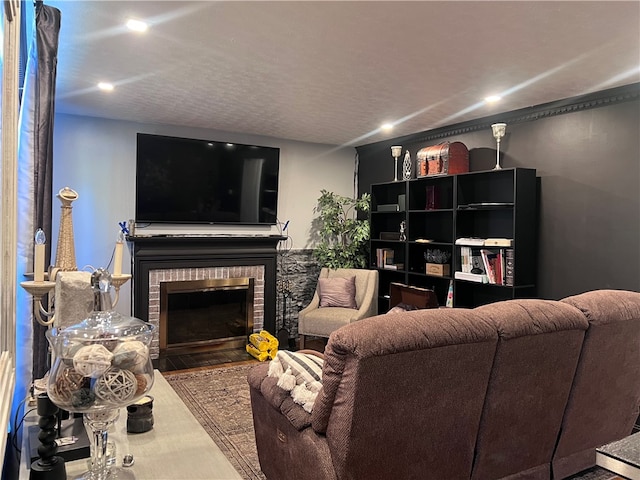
{"x":203,"y":360}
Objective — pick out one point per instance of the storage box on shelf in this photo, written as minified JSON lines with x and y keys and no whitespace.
{"x":499,"y":205}
{"x":438,"y":269}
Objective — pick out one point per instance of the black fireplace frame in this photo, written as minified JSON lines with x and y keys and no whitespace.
{"x":182,"y":251}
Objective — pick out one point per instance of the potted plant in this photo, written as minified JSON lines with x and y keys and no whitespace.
{"x":342,"y":237}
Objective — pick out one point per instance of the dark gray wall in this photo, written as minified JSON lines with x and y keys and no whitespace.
{"x":587,"y":154}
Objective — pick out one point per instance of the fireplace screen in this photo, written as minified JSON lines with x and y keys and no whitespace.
{"x":205,"y":314}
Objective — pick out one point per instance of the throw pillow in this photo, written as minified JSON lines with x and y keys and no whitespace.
{"x":300,"y":374}
{"x":337,"y":292}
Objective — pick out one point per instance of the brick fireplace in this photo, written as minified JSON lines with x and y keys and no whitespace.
{"x":161,"y":261}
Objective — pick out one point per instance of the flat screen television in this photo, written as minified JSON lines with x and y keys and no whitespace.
{"x":183,"y":180}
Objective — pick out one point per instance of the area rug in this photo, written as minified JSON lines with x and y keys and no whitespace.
{"x":219,"y":399}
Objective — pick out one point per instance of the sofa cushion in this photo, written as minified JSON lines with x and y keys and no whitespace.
{"x":337,"y":292}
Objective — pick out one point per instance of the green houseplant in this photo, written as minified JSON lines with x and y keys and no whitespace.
{"x":342,"y":237}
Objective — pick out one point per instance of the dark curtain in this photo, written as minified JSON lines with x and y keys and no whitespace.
{"x":47,"y":30}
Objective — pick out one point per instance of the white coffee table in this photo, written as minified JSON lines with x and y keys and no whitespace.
{"x":176,"y":448}
{"x":621,"y":457}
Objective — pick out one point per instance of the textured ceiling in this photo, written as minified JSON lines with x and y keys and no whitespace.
{"x":332,"y":72}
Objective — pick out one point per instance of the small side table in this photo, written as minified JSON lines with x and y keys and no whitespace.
{"x":621,"y":457}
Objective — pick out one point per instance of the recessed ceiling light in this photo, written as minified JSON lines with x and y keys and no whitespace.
{"x":493,"y":98}
{"x":386,"y":126}
{"x":137,"y":25}
{"x":105,"y":86}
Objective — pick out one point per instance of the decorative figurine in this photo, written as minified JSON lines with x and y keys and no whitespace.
{"x":403,"y":235}
{"x":406,"y":166}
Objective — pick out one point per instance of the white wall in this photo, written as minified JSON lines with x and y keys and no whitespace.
{"x":96,"y":157}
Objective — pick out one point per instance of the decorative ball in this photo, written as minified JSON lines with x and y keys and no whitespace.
{"x":108,"y":340}
{"x":92,"y":360}
{"x":83,"y":398}
{"x":69,"y":351}
{"x":68,"y":383}
{"x":116,"y":386}
{"x":132,"y":355}
{"x":142,"y":384}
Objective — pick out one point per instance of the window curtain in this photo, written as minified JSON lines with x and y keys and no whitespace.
{"x":35,"y":171}
{"x":47,"y":32}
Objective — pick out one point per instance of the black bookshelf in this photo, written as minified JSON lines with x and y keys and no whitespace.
{"x":440,"y":209}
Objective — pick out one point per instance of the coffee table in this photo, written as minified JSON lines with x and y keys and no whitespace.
{"x":176,"y":448}
{"x":621,"y":457}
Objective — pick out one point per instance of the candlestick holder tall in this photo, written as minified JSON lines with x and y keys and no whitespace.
{"x":66,"y":252}
{"x":498,"y":132}
{"x":396,"y":151}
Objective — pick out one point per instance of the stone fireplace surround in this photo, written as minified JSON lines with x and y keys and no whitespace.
{"x":178,"y":258}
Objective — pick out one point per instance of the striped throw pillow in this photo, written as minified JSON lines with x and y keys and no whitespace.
{"x":300,"y":374}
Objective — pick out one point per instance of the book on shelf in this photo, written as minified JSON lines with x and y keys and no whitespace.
{"x":395,"y":266}
{"x":498,"y":242}
{"x":493,"y":265}
{"x":472,"y":277}
{"x":509,"y":266}
{"x":477,"y":264}
{"x":384,"y":257}
{"x":485,"y":242}
{"x":465,"y":259}
{"x":471,"y":241}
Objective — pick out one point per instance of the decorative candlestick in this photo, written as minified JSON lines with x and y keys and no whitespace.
{"x":498,"y":133}
{"x":38,"y":256}
{"x":66,"y":253}
{"x":49,"y":466}
{"x":117,"y":260}
{"x":396,"y":151}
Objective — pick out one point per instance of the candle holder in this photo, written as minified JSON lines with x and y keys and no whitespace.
{"x":49,"y":466}
{"x":498,"y":132}
{"x":66,"y":252}
{"x":117,"y":281}
{"x":37,"y":290}
{"x":396,"y":151}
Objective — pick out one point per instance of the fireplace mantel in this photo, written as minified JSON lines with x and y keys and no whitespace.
{"x":199,"y":251}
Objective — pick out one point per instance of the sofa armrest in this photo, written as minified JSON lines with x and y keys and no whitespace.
{"x":277,"y":397}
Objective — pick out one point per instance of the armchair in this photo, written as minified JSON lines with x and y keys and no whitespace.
{"x":318,"y":321}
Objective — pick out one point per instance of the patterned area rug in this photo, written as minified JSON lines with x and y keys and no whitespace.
{"x":219,"y":399}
